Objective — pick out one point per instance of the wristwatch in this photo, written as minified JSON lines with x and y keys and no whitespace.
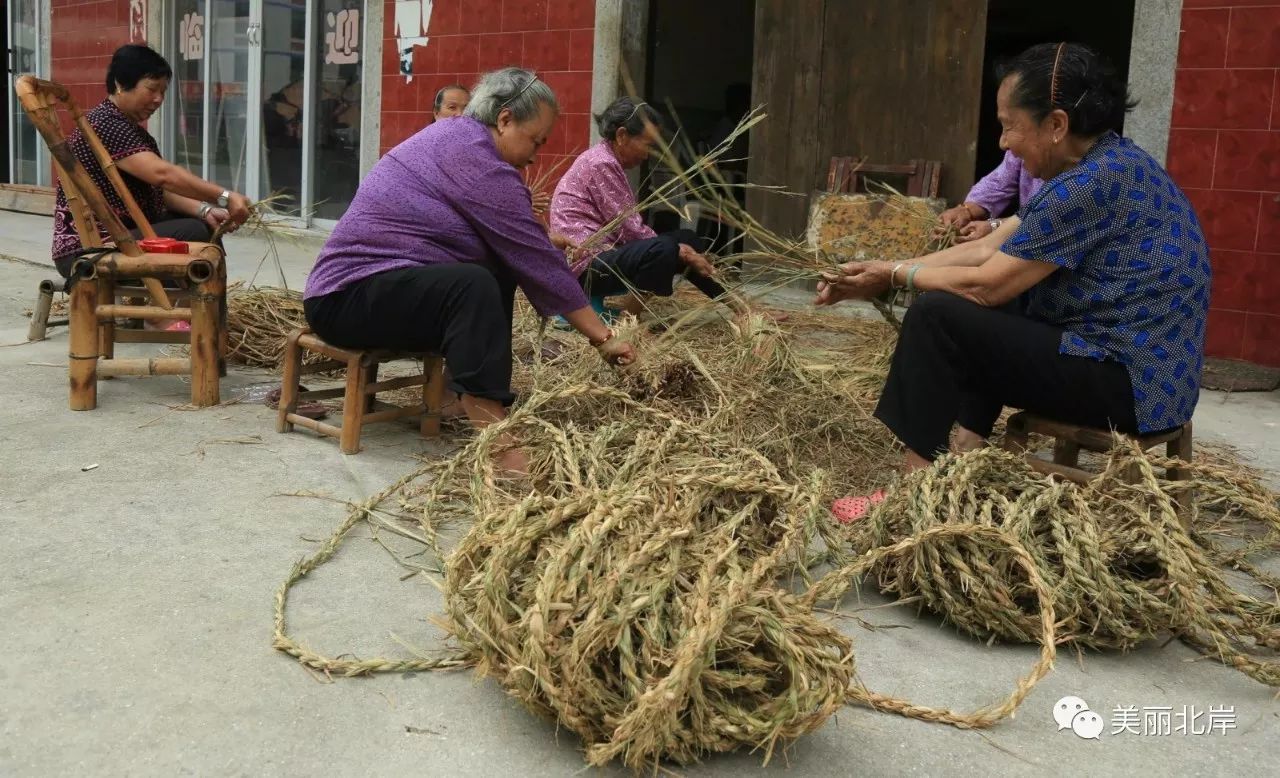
{"x":995,"y":224}
{"x":224,"y":199}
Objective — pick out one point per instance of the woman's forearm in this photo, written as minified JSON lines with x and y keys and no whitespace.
{"x":184,"y":206}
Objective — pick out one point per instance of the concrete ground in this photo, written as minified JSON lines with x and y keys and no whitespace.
{"x":137,"y":598}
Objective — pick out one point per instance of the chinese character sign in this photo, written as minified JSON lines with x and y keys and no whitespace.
{"x":191,"y":36}
{"x":138,"y":21}
{"x":342,"y":38}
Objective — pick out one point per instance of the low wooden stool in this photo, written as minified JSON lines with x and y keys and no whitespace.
{"x":1068,"y":439}
{"x":360,"y":404}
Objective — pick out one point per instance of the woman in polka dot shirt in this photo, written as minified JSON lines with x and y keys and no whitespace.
{"x":1112,"y":261}
{"x":178,"y":204}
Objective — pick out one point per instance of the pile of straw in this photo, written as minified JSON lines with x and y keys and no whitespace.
{"x":632,"y":594}
{"x":259,"y":319}
{"x":1122,"y":565}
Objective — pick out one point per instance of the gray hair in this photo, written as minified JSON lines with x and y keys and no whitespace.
{"x":514,"y":88}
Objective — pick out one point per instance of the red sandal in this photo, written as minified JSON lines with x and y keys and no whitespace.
{"x":847,"y":510}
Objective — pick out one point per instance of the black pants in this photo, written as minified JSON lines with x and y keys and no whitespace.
{"x":647,"y":266}
{"x":169,"y":225}
{"x":185,"y":228}
{"x":460,"y":310}
{"x":958,"y":361}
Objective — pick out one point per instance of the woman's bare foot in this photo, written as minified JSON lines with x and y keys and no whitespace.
{"x":512,"y":463}
{"x":966,"y":440}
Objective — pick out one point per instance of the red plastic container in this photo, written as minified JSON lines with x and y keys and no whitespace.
{"x":164,"y":246}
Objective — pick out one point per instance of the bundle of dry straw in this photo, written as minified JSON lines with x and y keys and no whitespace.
{"x":632,"y":595}
{"x":1122,"y":565}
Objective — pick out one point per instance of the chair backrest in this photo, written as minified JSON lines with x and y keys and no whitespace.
{"x":40,"y":100}
{"x":849,"y":174}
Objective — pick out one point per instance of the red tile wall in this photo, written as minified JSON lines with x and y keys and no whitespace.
{"x":86,"y":34}
{"x":554,"y":38}
{"x":1224,"y":149}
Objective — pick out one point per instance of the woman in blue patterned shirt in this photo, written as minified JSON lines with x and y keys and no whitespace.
{"x":1112,"y":259}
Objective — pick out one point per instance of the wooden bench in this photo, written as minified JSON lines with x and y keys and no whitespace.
{"x":360,"y":404}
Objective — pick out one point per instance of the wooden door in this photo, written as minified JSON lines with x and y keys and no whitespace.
{"x":888,"y":80}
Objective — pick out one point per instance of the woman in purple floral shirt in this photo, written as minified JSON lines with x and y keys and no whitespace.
{"x":595,"y":193}
{"x":177,"y":203}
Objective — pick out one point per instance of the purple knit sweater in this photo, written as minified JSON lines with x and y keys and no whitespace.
{"x":445,"y":195}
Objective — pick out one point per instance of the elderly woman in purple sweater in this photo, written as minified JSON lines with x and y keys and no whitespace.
{"x":439,"y":235}
{"x":979,"y":215}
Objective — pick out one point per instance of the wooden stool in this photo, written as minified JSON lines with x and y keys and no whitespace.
{"x":1068,"y":439}
{"x":360,"y":404}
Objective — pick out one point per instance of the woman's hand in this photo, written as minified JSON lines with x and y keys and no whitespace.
{"x":975,"y":230}
{"x":237,"y":208}
{"x":956,"y":217}
{"x":541,"y":202}
{"x":856,"y":280}
{"x":562,"y":243}
{"x":617,"y":352}
{"x":700,"y":264}
{"x":214,"y":217}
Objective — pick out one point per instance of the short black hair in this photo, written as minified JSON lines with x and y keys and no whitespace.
{"x":1071,"y":77}
{"x":440,"y":95}
{"x":132,"y":63}
{"x":626,"y":113}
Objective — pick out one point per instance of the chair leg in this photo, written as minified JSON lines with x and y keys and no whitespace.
{"x":224,"y":347}
{"x":353,"y":406}
{"x":204,"y":344}
{"x":107,"y":329}
{"x":432,"y":396}
{"x":40,"y":316}
{"x":289,"y":381}
{"x":83,"y":351}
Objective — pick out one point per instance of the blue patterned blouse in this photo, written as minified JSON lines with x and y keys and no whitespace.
{"x":1134,"y":279}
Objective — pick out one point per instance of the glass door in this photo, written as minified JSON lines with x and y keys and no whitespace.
{"x":268,"y":94}
{"x":28,"y":159}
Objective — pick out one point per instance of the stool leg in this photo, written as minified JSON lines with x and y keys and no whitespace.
{"x":1016,"y":439}
{"x":1066,"y":452}
{"x":1182,"y":449}
{"x":371,"y":378}
{"x":289,"y":382}
{"x":353,"y":407}
{"x":432,"y":396}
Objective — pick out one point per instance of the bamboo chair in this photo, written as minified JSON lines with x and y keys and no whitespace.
{"x":360,"y":404}
{"x":96,"y":282}
{"x":847,"y":175}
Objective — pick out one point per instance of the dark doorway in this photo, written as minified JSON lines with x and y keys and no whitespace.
{"x":699,"y":65}
{"x":8,"y":82}
{"x":1015,"y":25}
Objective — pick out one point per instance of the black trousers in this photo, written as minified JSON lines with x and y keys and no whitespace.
{"x":960,"y":362}
{"x":648,"y":266}
{"x":169,"y":225}
{"x":460,"y":310}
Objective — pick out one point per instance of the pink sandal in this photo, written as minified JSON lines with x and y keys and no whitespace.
{"x":847,"y":510}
